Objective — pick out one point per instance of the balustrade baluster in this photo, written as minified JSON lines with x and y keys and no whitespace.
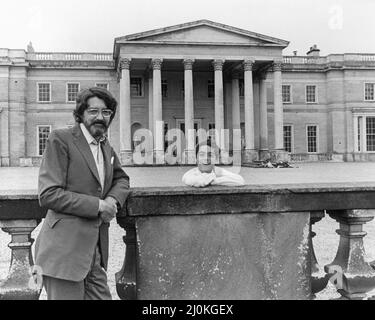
{"x":354,"y":277}
{"x":19,"y":285}
{"x":126,"y":278}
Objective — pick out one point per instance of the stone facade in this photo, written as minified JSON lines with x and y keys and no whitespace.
{"x":201,"y":74}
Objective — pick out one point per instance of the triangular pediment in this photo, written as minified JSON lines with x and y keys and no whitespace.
{"x":203,"y":31}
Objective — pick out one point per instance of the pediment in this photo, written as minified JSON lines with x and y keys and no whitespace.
{"x":203,"y":31}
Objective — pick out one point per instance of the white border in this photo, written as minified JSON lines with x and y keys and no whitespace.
{"x":50,"y":91}
{"x":37,"y":137}
{"x":66,"y":91}
{"x":364,"y":91}
{"x":317,"y":138}
{"x":291,"y":137}
{"x":316,"y":93}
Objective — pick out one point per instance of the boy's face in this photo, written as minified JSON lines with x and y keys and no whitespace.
{"x":206,"y":159}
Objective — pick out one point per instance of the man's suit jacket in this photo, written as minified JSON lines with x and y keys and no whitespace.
{"x":69,"y":186}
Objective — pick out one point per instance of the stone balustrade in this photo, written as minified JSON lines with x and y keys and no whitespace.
{"x":70,"y":56}
{"x":250,"y":242}
{"x":331,"y":58}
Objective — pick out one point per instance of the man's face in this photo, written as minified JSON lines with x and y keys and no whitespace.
{"x":95,"y":117}
{"x":206,"y":159}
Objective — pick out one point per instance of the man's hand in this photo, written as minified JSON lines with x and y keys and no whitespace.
{"x":107,"y":209}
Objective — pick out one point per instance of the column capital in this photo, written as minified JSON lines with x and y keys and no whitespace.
{"x":218,"y":64}
{"x":124,"y":63}
{"x":156,"y":63}
{"x":188,"y":64}
{"x":248,"y":65}
{"x":277,"y":66}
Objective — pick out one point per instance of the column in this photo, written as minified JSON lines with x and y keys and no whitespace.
{"x":250,"y":153}
{"x":219,"y":100}
{"x":157,"y":112}
{"x":264,"y":153}
{"x":189,"y":112}
{"x":236,"y":121}
{"x":4,"y":117}
{"x":125,"y":113}
{"x":278,"y":152}
{"x":150,"y":103}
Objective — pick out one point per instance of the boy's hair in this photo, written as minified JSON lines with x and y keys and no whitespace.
{"x":208,"y":143}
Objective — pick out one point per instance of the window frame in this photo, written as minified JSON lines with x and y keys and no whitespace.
{"x":37,"y":137}
{"x":142,"y":87}
{"x":67,"y":91}
{"x":291,"y":136}
{"x":107,"y":83}
{"x":316,"y":93}
{"x":50,"y":91}
{"x":364,"y":92}
{"x":208,"y":84}
{"x":307,"y":138}
{"x":290,"y":93}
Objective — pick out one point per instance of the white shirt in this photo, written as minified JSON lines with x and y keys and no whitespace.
{"x":219,"y":176}
{"x":96,"y":152}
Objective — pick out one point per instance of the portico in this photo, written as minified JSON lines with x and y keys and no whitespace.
{"x":187,"y":68}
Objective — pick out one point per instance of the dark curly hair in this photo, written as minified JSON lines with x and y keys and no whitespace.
{"x":85,"y":94}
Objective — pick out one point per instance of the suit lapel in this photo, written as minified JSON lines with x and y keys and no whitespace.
{"x":82,"y":145}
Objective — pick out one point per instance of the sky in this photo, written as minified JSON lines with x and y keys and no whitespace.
{"x":336,"y":26}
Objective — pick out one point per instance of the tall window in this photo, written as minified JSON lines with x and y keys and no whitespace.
{"x":183,"y":88}
{"x":44,"y":92}
{"x":310,"y":94}
{"x":241,"y":86}
{"x":286,"y":94}
{"x":136,"y":87}
{"x":210,"y":89}
{"x":164,"y":88}
{"x":103,"y":85}
{"x":369,"y":92}
{"x":312,"y":138}
{"x":370,"y":133}
{"x":72,"y":91}
{"x":43,"y":133}
{"x":359,"y":133}
{"x":288,"y":138}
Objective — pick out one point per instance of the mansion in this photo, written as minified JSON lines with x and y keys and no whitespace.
{"x":197,"y":75}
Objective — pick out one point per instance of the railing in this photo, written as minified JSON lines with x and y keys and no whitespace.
{"x":251,"y":242}
{"x":69,"y":56}
{"x":346,"y":57}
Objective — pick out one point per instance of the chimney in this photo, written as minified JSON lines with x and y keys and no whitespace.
{"x":295,"y":52}
{"x":314,"y":51}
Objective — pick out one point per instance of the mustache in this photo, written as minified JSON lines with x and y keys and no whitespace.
{"x":100,"y":122}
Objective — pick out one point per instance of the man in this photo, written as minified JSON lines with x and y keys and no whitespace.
{"x":206,"y":173}
{"x":82,"y":184}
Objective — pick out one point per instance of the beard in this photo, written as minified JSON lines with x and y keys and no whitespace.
{"x":98,"y":128}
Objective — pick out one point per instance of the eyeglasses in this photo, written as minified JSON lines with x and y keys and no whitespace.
{"x":95,"y":112}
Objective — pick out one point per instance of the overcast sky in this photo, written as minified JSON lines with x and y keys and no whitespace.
{"x":336,"y":26}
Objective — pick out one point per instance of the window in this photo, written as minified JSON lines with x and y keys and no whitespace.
{"x":310,"y":94}
{"x":164,"y":88}
{"x":183,"y":88}
{"x":43,"y":133}
{"x":166,"y":143}
{"x":370,"y":133}
{"x":103,"y":85}
{"x":312,"y":138}
{"x":369,"y":92}
{"x":44,"y":92}
{"x":359,"y":120}
{"x":210,"y":89}
{"x":241,"y":85}
{"x":288,"y":138}
{"x":72,"y":91}
{"x":136,"y":87}
{"x":286,"y":94}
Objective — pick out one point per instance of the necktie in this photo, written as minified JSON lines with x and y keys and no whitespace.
{"x":99,"y":161}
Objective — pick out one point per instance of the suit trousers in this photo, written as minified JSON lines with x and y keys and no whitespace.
{"x":93,"y":287}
